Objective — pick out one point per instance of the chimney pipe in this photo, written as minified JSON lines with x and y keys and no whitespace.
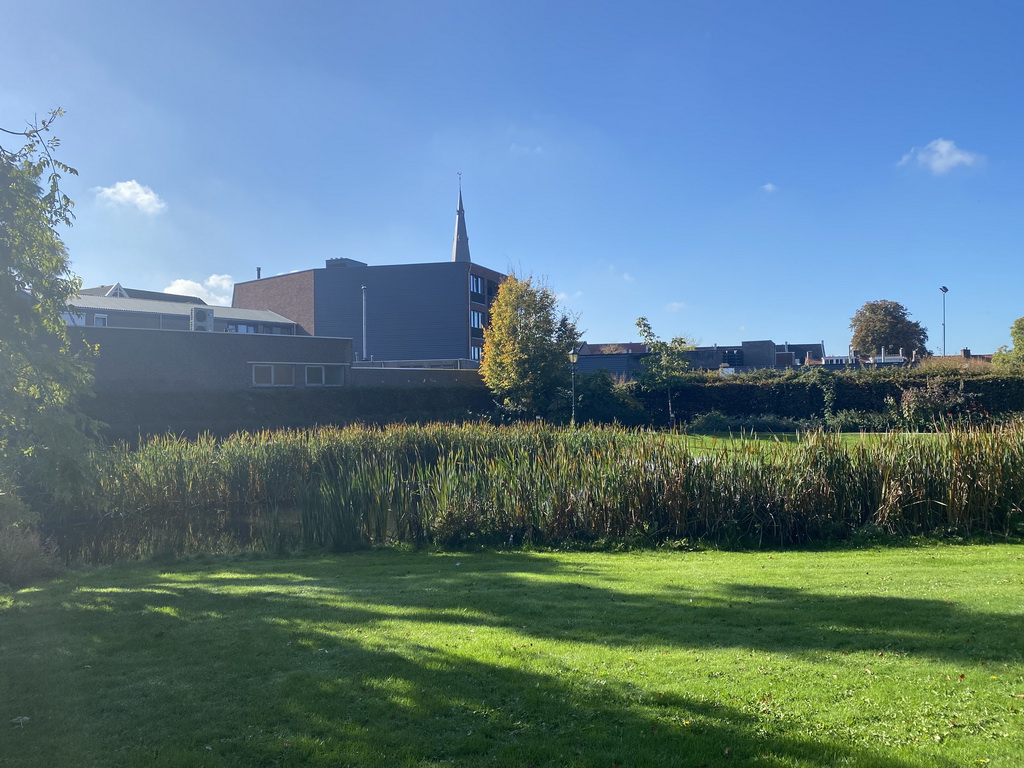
{"x":259,"y":271}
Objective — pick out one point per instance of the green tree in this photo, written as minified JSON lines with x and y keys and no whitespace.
{"x":887,"y":324}
{"x":42,"y":370}
{"x":665,"y":364}
{"x":1011,"y":359}
{"x":526,"y":349}
{"x":600,"y":399}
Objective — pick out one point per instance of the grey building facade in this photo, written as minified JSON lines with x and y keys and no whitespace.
{"x":422,"y":312}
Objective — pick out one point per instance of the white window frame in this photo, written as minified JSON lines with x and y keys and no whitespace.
{"x":96,"y":321}
{"x":323,"y":376}
{"x":273,"y":374}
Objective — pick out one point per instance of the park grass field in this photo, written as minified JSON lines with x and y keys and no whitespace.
{"x":882,"y":658}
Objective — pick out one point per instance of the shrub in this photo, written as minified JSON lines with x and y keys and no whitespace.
{"x":22,"y":556}
{"x":716,"y":421}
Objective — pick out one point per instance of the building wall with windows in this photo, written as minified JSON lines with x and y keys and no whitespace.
{"x":625,"y":360}
{"x":170,"y":314}
{"x":141,"y":360}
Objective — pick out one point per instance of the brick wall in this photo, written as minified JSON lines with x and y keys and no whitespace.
{"x":288,"y":295}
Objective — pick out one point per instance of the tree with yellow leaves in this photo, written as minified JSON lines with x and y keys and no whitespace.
{"x":526,"y":349}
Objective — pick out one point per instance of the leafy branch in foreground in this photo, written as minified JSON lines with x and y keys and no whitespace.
{"x":43,"y":370}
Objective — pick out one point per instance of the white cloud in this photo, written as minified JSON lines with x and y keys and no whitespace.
{"x":563,"y":296}
{"x":131,"y":193}
{"x":769,"y":187}
{"x":613,"y":271}
{"x":941,"y":156}
{"x":675,"y":306}
{"x":216,"y":289}
{"x":522,"y":149}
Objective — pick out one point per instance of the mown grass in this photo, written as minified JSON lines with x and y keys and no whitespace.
{"x":892,"y":658}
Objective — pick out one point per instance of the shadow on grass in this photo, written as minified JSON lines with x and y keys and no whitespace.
{"x":299,"y":666}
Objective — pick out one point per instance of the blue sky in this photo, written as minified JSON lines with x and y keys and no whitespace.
{"x":731,"y":170}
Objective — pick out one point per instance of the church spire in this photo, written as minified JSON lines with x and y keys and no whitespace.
{"x":460,"y":246}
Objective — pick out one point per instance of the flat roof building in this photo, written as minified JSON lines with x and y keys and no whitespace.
{"x":423,"y":312}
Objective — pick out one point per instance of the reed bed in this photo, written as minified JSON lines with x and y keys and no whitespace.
{"x":451,"y":485}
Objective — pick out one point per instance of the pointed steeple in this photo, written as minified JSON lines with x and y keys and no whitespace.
{"x":460,"y":246}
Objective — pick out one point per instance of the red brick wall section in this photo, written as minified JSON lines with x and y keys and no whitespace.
{"x":288,"y":295}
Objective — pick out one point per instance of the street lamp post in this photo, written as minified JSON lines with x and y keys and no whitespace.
{"x":365,"y":358}
{"x":574,"y":357}
{"x":944,"y":290}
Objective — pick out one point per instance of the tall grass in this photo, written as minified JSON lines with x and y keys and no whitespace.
{"x":339,"y":488}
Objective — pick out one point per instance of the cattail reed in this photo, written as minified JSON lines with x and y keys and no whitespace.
{"x":448,"y":485}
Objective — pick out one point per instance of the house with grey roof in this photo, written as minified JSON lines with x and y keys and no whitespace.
{"x":117,"y":307}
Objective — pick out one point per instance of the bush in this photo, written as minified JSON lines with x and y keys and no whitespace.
{"x":716,"y":421}
{"x":849,"y":420}
{"x":22,"y":556}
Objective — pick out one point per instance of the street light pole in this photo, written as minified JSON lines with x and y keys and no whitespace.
{"x":574,"y":357}
{"x":365,"y":358}
{"x":944,"y":290}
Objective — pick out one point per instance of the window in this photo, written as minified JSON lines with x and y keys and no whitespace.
{"x":72,"y":319}
{"x":325,"y":375}
{"x":100,"y":321}
{"x":476,"y":324}
{"x":273,"y":375}
{"x":241,"y":328}
{"x":477,"y":352}
{"x":476,"y":289}
{"x":334,"y":375}
{"x":262,"y":375}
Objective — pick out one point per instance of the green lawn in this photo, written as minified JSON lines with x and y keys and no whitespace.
{"x":893,"y":658}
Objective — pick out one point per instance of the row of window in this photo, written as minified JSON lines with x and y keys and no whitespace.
{"x":283,"y":375}
{"x":100,"y":321}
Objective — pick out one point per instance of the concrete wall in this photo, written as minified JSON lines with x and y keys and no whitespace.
{"x":758,"y":354}
{"x":132,"y":359}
